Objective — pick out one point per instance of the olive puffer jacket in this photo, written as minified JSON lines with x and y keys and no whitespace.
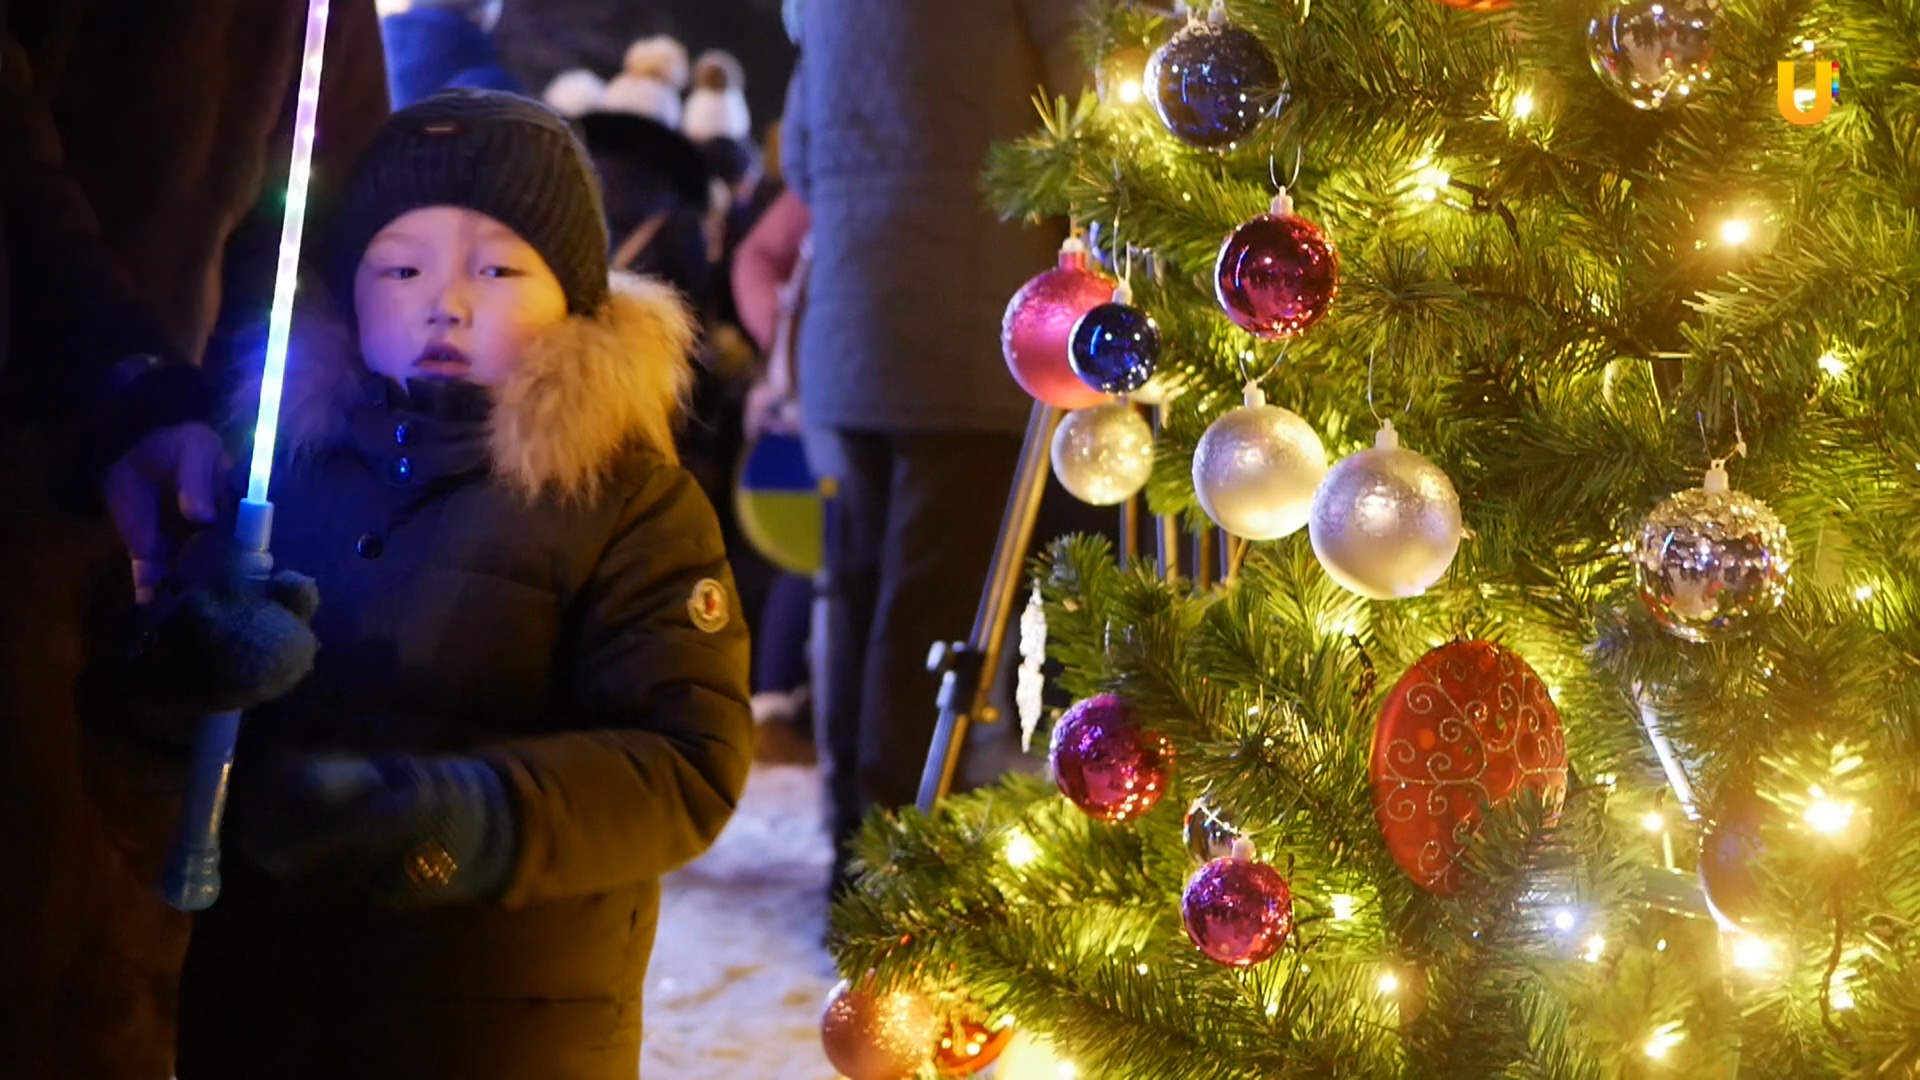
{"x":526,"y":575}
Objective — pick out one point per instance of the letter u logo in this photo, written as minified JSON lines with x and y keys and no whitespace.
{"x":1825,"y":73}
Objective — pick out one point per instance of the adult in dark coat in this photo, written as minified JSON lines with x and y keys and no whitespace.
{"x":136,"y":138}
{"x":907,"y":401}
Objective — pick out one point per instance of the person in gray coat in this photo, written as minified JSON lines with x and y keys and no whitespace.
{"x":907,"y":402}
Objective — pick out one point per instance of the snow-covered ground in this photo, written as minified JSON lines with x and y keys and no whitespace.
{"x":739,"y":974}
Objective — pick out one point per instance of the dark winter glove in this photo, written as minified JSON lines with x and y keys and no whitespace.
{"x":397,"y":831}
{"x":221,"y":649}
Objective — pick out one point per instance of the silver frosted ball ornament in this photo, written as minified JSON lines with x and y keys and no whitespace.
{"x":1256,"y":468}
{"x":1711,"y":561}
{"x":1386,"y":521}
{"x":1103,"y":455}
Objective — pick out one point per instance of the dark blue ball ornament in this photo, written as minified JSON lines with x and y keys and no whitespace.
{"x":1212,"y":84}
{"x":1114,"y":347}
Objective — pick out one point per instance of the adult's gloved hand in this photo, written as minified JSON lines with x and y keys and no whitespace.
{"x":162,"y":488}
{"x":401,"y":831}
{"x":221,"y":649}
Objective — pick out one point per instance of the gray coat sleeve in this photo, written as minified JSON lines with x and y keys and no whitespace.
{"x":795,"y":131}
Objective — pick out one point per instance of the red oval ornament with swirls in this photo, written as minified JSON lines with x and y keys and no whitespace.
{"x":1466,"y":727}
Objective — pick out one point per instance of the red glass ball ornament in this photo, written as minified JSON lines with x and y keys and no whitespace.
{"x":965,"y":1046}
{"x":1105,"y":764}
{"x":1479,"y":5}
{"x":1469,"y":724}
{"x":869,"y":1036}
{"x":1237,"y":911}
{"x":1039,"y":322}
{"x":1277,"y":274}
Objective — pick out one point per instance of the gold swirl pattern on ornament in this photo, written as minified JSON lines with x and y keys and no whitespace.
{"x":1479,"y":756}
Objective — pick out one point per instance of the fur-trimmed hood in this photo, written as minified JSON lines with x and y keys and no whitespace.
{"x":587,"y":390}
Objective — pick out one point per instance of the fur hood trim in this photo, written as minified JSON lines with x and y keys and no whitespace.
{"x":589,"y":389}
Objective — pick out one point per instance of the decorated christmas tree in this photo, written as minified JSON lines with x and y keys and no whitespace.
{"x":1555,"y":708}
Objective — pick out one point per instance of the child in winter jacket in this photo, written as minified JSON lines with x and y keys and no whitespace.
{"x":530,"y":695}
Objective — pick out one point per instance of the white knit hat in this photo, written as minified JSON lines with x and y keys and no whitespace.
{"x":717,"y":107}
{"x":650,"y":81}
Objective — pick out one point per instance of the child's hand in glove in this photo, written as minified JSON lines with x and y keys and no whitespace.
{"x":222,"y":649}
{"x":402,"y":831}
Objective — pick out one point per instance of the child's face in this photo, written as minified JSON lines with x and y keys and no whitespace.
{"x":450,"y":293}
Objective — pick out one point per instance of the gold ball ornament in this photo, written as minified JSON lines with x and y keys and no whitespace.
{"x":877,"y":1036}
{"x":1103,"y":455}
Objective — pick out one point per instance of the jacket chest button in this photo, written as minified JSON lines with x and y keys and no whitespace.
{"x":370,"y":545}
{"x":402,"y":433}
{"x":400,"y":470}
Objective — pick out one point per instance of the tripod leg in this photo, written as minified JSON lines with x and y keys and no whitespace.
{"x":967,"y":668}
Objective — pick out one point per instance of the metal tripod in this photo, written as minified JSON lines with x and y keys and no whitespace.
{"x":967,"y":668}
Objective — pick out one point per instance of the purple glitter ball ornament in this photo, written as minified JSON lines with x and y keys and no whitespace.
{"x":1105,"y":764}
{"x":1237,"y":911}
{"x":1277,"y":274}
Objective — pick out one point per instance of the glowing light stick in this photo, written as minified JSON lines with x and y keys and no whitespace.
{"x":192,"y":880}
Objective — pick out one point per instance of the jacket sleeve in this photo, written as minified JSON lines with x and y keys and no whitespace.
{"x":660,"y":681}
{"x":82,"y":345}
{"x":1051,"y":24}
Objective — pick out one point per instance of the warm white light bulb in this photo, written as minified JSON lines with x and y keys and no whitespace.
{"x":1752,"y":953}
{"x":1522,"y":105}
{"x":1596,"y":948}
{"x":1663,"y":1040}
{"x":1863,"y":593}
{"x":1021,"y":850}
{"x":1828,"y":816}
{"x":1130,"y":92}
{"x":1735,"y":231}
{"x":1831,"y":363}
{"x":1343,"y":906}
{"x":1563,"y":920}
{"x":1389,"y":983}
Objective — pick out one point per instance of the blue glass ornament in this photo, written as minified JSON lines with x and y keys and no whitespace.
{"x":1115,"y":346}
{"x":1212,"y":84}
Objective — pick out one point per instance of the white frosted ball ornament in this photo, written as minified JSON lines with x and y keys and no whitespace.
{"x":1386,"y":521}
{"x":1256,"y":469}
{"x":1103,"y":455}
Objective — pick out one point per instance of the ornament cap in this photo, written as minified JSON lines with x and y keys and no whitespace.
{"x":1242,"y":849}
{"x":1282,"y":204}
{"x":1387,"y":439}
{"x":1073,"y":253}
{"x":1716,"y":482}
{"x":1253,"y":396}
{"x":1122,"y":292}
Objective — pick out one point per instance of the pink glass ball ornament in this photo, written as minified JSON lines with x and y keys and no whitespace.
{"x":1105,"y":763}
{"x":1039,"y":321}
{"x":1237,"y":911}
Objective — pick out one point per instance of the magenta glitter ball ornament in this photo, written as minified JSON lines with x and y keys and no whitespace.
{"x":1105,"y":764}
{"x":1277,"y":274}
{"x":1039,"y":322}
{"x":1237,"y":911}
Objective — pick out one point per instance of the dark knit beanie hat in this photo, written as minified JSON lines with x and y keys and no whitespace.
{"x":508,"y":157}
